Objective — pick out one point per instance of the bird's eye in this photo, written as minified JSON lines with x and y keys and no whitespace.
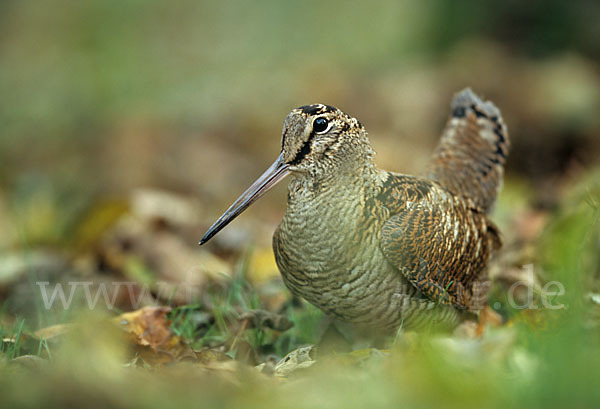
{"x":320,"y":125}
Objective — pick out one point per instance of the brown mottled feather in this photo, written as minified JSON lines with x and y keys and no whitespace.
{"x":381,"y":249}
{"x":469,"y":160}
{"x":438,"y":241}
{"x":442,"y":242}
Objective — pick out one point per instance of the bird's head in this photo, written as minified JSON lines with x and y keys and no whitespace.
{"x":318,"y":141}
{"x":321,"y":139}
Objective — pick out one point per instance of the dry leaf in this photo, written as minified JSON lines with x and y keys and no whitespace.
{"x":150,"y":329}
{"x":297,"y":359}
{"x":52,"y":332}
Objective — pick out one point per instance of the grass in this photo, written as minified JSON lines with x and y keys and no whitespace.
{"x":240,"y":298}
{"x":10,"y":341}
{"x":518,"y":367}
{"x":542,"y":358}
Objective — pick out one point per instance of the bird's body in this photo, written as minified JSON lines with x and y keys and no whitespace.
{"x":380,"y":249}
{"x":328,"y":249}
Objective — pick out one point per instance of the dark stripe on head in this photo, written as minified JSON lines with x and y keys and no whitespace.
{"x":283,"y":138}
{"x":304,"y":150}
{"x":316,"y":109}
{"x":310,"y":109}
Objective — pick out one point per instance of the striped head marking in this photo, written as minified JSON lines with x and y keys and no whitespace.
{"x":317,"y":140}
{"x":315,"y":135}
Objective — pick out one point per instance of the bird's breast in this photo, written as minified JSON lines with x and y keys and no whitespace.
{"x":326,"y":248}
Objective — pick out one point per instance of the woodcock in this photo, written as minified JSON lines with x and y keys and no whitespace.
{"x":377,"y":248}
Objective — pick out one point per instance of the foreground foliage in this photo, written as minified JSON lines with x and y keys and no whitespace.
{"x":229,"y":347}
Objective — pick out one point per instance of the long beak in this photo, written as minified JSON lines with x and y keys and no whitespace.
{"x":277,"y":171}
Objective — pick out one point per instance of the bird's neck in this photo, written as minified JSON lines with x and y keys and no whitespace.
{"x":347,"y":182}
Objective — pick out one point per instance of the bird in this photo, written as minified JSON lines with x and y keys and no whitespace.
{"x":379,"y":249}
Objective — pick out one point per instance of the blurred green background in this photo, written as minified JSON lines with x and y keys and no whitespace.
{"x":127,"y":127}
{"x":99,"y":97}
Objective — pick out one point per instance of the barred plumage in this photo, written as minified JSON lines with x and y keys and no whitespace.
{"x":382,"y":249}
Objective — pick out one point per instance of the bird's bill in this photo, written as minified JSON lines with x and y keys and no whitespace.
{"x":277,"y":171}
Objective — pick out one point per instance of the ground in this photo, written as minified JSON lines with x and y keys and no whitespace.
{"x":127,"y":128}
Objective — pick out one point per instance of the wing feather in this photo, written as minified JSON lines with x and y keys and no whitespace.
{"x":441,"y":245}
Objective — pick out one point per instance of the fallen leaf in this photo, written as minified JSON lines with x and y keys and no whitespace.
{"x":297,"y":359}
{"x":29,"y":361}
{"x":150,"y":329}
{"x":53,"y":332}
{"x":488,"y":316}
{"x":207,"y":356}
